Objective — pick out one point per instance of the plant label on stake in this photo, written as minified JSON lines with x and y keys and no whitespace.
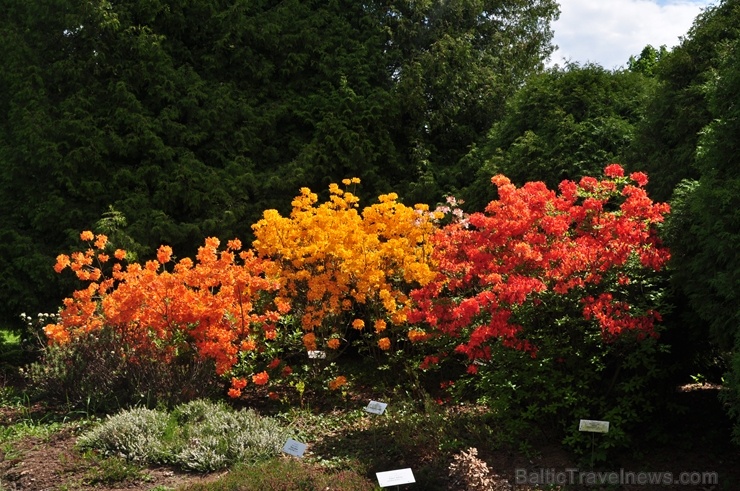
{"x":593,"y":426}
{"x":294,"y":448}
{"x":395,"y":478}
{"x":317,"y":355}
{"x":376,"y":407}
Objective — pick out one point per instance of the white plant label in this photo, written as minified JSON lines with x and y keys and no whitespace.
{"x":376,"y":407}
{"x":294,"y":448}
{"x":395,"y":478}
{"x":594,"y":426}
{"x":317,"y":355}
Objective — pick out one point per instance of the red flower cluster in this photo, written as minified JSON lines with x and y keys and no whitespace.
{"x":531,"y":241}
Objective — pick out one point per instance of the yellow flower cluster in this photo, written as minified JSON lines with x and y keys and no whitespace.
{"x":335,"y":260}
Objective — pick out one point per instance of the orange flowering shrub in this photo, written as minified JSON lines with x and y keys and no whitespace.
{"x":218,"y":307}
{"x":343,"y":269}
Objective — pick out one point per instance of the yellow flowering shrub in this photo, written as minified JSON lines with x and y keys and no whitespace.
{"x":342,"y":268}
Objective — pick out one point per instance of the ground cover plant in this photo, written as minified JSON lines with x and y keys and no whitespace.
{"x":199,"y":436}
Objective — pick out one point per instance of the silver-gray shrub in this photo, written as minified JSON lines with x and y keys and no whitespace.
{"x":212,"y":436}
{"x":199,"y":435}
{"x":135,"y":434}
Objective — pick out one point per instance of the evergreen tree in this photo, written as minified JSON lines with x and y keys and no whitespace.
{"x":563,"y":124}
{"x":665,"y":143}
{"x":191,"y":118}
{"x":706,"y":228}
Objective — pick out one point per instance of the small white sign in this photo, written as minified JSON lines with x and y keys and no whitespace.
{"x":317,"y":354}
{"x":395,"y":478}
{"x":594,"y":426}
{"x":294,"y":448}
{"x":376,"y":407}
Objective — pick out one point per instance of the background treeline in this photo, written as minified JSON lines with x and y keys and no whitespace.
{"x":191,"y":118}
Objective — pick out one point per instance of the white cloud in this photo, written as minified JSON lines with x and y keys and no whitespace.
{"x":608,"y":32}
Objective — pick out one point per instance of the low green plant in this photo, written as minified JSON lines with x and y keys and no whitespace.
{"x":114,"y":470}
{"x":135,"y":434}
{"x":410,"y":433}
{"x":199,"y":436}
{"x":286,"y":474}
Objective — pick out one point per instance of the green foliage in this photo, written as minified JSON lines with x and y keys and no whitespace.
{"x":11,"y":352}
{"x":200,"y":436}
{"x":574,"y":377}
{"x":665,"y":142}
{"x":455,"y":65}
{"x":563,"y":124}
{"x":286,"y":475}
{"x":648,"y":60}
{"x":706,"y":233}
{"x":97,"y":372}
{"x":113,"y":225}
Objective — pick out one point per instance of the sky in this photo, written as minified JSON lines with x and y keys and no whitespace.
{"x":608,"y":32}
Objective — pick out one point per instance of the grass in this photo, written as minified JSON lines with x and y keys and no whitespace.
{"x":287,"y":474}
{"x":112,"y":470}
{"x":24,"y":418}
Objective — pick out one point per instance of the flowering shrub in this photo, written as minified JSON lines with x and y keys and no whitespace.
{"x":552,"y":300}
{"x":559,"y":277}
{"x":532,"y":242}
{"x":348,"y":273}
{"x":217,"y":307}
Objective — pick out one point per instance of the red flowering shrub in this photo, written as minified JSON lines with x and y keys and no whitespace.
{"x":532,"y":242}
{"x":552,"y":298}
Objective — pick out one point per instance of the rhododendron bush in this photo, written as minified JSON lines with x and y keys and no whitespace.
{"x":532,"y":242}
{"x":552,"y":298}
{"x":218,"y":306}
{"x":542,"y":291}
{"x":347,"y":272}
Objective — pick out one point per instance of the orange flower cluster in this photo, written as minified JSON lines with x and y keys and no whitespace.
{"x":335,"y":260}
{"x":338,"y":382}
{"x":216,"y":305}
